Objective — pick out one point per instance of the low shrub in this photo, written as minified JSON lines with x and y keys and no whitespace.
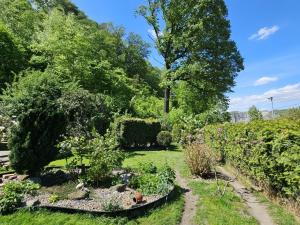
{"x":267,"y":151}
{"x":164,"y":138}
{"x":199,"y":158}
{"x":104,"y":157}
{"x":154,"y":183}
{"x":135,"y":132}
{"x":13,"y":193}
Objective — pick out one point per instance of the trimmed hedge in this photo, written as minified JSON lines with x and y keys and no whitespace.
{"x":135,"y":132}
{"x":266,"y":151}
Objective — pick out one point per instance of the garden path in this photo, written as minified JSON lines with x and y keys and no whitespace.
{"x":257,"y":209}
{"x":190,"y":201}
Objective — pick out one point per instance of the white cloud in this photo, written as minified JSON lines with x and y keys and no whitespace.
{"x":153,"y":34}
{"x":264,"y":33}
{"x":285,"y":94}
{"x":265,"y":80}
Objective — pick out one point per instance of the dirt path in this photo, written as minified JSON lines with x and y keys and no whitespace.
{"x":190,"y":201}
{"x":256,"y":208}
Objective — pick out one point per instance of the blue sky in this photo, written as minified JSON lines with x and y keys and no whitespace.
{"x":266,"y":32}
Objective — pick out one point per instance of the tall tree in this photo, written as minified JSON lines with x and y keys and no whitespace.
{"x":254,"y":114}
{"x":12,"y":56}
{"x":193,"y":37}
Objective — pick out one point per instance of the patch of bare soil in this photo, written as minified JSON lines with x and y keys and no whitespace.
{"x":190,"y":201}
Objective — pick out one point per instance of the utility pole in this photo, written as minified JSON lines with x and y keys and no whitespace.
{"x":271,"y":99}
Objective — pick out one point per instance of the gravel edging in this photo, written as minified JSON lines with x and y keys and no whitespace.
{"x":137,"y":211}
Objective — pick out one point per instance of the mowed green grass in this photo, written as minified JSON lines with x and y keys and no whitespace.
{"x":215,"y":209}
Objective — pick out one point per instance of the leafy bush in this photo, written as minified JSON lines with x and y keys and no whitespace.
{"x":13,"y":193}
{"x":164,"y":138}
{"x":154,"y":183}
{"x":147,"y":168}
{"x":134,"y":132}
{"x":267,"y":151}
{"x":199,"y":158}
{"x":104,"y":157}
{"x":85,"y":111}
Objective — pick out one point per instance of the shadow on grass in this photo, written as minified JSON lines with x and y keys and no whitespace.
{"x":173,"y":147}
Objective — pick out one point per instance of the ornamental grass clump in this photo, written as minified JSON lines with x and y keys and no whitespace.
{"x":199,"y":158}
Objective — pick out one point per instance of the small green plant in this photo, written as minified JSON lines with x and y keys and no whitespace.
{"x":147,"y":167}
{"x":53,"y":198}
{"x":164,"y":138}
{"x":112,"y":204}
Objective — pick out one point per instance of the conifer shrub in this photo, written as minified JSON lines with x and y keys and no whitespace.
{"x":164,"y":138}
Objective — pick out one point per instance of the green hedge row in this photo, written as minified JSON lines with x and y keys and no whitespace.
{"x":267,"y":151}
{"x":134,"y":132}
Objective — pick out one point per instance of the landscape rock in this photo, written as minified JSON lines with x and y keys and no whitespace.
{"x":32,"y":203}
{"x":12,"y":177}
{"x":78,"y":195}
{"x":6,"y":176}
{"x":80,"y":186}
{"x":126,"y":177}
{"x":1,"y":181}
{"x":119,"y":187}
{"x":86,"y":190}
{"x":23,"y":177}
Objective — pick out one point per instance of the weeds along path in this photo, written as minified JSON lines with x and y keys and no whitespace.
{"x":256,"y":208}
{"x":190,"y":201}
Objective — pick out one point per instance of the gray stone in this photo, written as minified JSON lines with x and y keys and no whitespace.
{"x":32,"y":203}
{"x":6,"y":176}
{"x":86,"y":190}
{"x":78,"y":195}
{"x":119,"y":187}
{"x":12,"y":177}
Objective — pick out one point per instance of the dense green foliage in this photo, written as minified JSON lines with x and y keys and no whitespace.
{"x":153,"y":180}
{"x":40,"y":121}
{"x":104,"y":157}
{"x":267,"y":151}
{"x":164,"y":138}
{"x":254,"y":114}
{"x":193,"y":38}
{"x":292,"y":114}
{"x":13,"y":193}
{"x":11,"y":56}
{"x":134,"y":132}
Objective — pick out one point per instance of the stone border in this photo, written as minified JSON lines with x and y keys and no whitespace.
{"x":130,"y":213}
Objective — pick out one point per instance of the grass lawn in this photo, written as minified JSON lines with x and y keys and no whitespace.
{"x":219,"y":210}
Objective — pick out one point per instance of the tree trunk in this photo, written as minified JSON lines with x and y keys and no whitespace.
{"x":167,"y":100}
